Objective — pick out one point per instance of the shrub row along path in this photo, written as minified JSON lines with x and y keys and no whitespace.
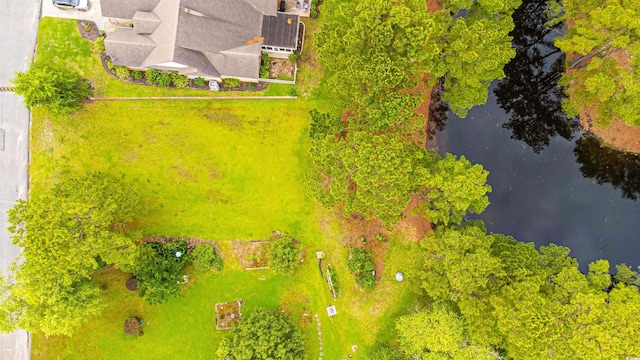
{"x":199,"y":98}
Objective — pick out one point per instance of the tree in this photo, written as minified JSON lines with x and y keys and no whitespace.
{"x":531,"y":304}
{"x":284,"y":255}
{"x":53,"y":85}
{"x":438,"y":333}
{"x":266,"y":334}
{"x":605,"y":76}
{"x":453,"y":188}
{"x":62,"y":234}
{"x":158,"y":268}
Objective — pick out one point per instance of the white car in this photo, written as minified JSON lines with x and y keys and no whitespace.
{"x":82,"y":5}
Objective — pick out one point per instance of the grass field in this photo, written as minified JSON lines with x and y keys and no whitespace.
{"x":218,"y":170}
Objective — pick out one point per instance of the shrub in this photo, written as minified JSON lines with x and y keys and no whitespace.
{"x":361,"y":266}
{"x":284,"y":255}
{"x":159,"y":270}
{"x":265,"y":64}
{"x":123,"y":72}
{"x":314,"y":11}
{"x":179,"y":80}
{"x":137,"y":74}
{"x":205,"y":258}
{"x":132,"y":326}
{"x":110,"y":65}
{"x":164,"y":79}
{"x":98,"y":45}
{"x":252,"y":86}
{"x":152,"y":76}
{"x":231,"y":82}
{"x":293,"y":57}
{"x":199,"y":81}
{"x":293,"y":92}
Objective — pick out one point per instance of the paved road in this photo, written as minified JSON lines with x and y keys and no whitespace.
{"x":19,"y":27}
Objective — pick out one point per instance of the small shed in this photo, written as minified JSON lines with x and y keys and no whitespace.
{"x":331,"y":310}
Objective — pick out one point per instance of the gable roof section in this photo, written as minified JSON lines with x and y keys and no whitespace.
{"x":125,"y":9}
{"x":281,"y":31}
{"x":217,"y":25}
{"x":145,"y":22}
{"x":128,"y":48}
{"x":266,"y":7}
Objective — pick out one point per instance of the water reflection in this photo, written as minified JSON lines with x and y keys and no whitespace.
{"x":438,"y":110}
{"x":530,"y":91}
{"x":606,"y":165}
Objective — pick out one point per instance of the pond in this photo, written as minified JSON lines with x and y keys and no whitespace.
{"x":552,"y":182}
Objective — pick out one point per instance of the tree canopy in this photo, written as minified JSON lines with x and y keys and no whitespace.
{"x":53,"y":85}
{"x":158,"y":268}
{"x":532,"y":304}
{"x":605,"y":76}
{"x":284,"y":254}
{"x":266,"y":334}
{"x":64,"y":234}
{"x":375,"y":174}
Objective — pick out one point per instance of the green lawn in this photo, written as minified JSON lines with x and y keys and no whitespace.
{"x":219,"y":170}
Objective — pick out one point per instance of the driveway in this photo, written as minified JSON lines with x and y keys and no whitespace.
{"x":19,"y":26}
{"x":93,"y":14}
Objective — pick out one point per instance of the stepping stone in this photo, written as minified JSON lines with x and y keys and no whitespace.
{"x":320,"y":353}
{"x":321,"y":348}
{"x":319,"y":333}
{"x":316,"y":316}
{"x":321,"y":343}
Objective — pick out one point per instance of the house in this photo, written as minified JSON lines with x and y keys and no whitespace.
{"x":212,"y":39}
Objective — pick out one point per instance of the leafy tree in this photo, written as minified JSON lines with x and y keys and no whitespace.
{"x":284,"y":254}
{"x":63,"y":234}
{"x":531,"y":304}
{"x":266,"y":334}
{"x":454,"y":187}
{"x":158,"y":268}
{"x":205,"y":257}
{"x":55,"y":86}
{"x":605,"y":36}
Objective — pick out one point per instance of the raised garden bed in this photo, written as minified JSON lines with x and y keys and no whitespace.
{"x":252,"y":255}
{"x":227,"y":314}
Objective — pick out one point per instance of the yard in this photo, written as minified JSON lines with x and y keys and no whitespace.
{"x":216,"y":170}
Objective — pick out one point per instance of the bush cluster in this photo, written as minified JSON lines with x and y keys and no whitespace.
{"x":361,"y":266}
{"x":152,"y":76}
{"x":284,"y":255}
{"x":231,"y":82}
{"x":164,"y":79}
{"x":123,"y":72}
{"x":205,"y":257}
{"x":199,"y":81}
{"x":265,"y":64}
{"x":179,"y":80}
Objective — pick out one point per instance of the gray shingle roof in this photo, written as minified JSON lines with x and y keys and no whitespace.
{"x":281,"y":30}
{"x":216,"y":37}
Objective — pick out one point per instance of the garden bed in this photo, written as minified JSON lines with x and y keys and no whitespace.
{"x":252,"y":255}
{"x":227,"y":314}
{"x":253,"y":87}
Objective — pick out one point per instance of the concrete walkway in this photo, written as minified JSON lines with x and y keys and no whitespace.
{"x":19,"y":29}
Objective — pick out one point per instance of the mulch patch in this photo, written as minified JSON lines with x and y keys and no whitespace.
{"x":227,"y":314}
{"x":132,"y":326}
{"x":252,"y":254}
{"x":132,"y":284}
{"x":88,"y":29}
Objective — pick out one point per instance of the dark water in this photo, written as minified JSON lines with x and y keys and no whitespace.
{"x":551,"y":182}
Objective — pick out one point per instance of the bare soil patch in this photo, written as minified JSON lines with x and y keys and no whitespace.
{"x":414,"y":227}
{"x":227,"y":314}
{"x":281,"y":67}
{"x":252,"y":255}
